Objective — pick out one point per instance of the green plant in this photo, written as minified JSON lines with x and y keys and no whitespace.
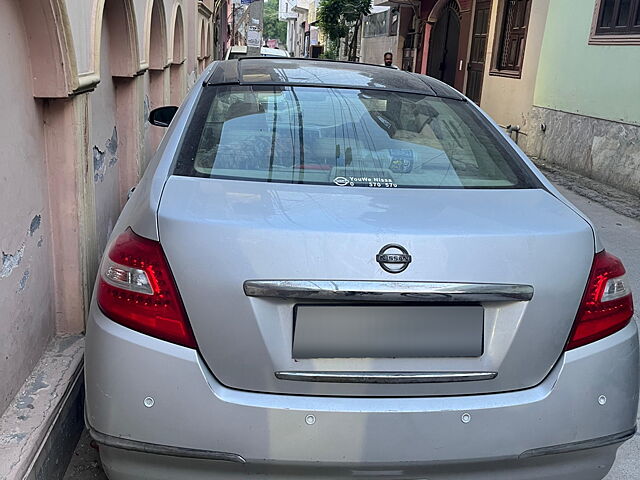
{"x":342,"y":19}
{"x":272,"y":27}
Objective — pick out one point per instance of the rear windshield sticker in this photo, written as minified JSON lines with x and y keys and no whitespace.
{"x":374,"y":182}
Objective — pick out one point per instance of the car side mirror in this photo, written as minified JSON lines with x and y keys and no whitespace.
{"x":162,"y":116}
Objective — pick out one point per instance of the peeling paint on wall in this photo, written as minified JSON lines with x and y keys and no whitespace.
{"x":25,"y":400}
{"x":35,"y":225}
{"x":99,"y":167}
{"x":147,"y":110}
{"x":10,"y":262}
{"x":112,"y":143}
{"x":100,"y":164}
{"x":112,"y":147}
{"x":23,"y":281}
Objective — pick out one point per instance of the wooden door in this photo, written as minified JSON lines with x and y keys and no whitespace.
{"x":475,"y":66}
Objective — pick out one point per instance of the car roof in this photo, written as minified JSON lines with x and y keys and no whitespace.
{"x":325,"y":73}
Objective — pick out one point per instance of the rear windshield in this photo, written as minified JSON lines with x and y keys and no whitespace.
{"x":346,"y":138}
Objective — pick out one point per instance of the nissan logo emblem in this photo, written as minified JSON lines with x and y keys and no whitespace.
{"x":393,"y":258}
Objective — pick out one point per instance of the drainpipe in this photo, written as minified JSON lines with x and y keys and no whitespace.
{"x":513,"y":129}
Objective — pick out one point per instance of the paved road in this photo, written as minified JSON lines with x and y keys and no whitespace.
{"x":85,"y":462}
{"x":620,"y":235}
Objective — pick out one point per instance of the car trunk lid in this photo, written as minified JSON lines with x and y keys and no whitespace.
{"x":232,"y":246}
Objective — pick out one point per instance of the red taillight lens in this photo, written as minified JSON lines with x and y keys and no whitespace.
{"x":607,"y":304}
{"x":137,"y":290}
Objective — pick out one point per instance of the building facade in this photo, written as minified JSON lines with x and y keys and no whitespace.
{"x":301,"y":28}
{"x":78,"y":82}
{"x":585,"y":112}
{"x":287,"y":14}
{"x":390,"y":28}
{"x":564,"y":76}
{"x":506,"y":87}
{"x":428,"y":36}
{"x":304,"y":38}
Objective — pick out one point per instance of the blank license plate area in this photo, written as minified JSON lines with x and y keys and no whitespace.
{"x":333,"y":331}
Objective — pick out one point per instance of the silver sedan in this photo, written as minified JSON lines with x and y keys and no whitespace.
{"x":335,"y":270}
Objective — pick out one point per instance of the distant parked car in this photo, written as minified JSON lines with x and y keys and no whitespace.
{"x":241,"y":51}
{"x":338,"y":271}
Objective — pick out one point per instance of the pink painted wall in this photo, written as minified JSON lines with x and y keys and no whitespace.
{"x":177,"y":70}
{"x":48,"y":189}
{"x":423,"y":53}
{"x":157,"y":81}
{"x":26,"y":271}
{"x":149,"y":104}
{"x":104,"y":144}
{"x":192,"y":33}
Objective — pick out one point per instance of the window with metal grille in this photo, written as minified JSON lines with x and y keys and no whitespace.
{"x":513,"y":34}
{"x":394,"y":19}
{"x":376,"y":25}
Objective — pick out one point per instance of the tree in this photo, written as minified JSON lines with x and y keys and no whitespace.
{"x":340,"y":19}
{"x":272,"y":27}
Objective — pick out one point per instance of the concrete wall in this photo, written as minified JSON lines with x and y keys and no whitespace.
{"x":374,"y":48}
{"x":601,"y":81}
{"x":509,"y":100}
{"x":26,"y":273}
{"x":79,"y":79}
{"x":601,"y":149}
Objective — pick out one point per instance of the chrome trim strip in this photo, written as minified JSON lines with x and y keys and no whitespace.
{"x":152,"y":448}
{"x":582,"y":445}
{"x":377,"y":291}
{"x":385,"y":377}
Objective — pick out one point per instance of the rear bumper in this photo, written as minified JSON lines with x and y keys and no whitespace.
{"x":350,"y":437}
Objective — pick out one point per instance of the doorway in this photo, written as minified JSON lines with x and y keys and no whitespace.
{"x":478,"y":50}
{"x":443,"y":44}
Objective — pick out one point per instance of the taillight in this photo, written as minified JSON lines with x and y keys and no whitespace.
{"x":607,"y":304}
{"x":137,"y":290}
